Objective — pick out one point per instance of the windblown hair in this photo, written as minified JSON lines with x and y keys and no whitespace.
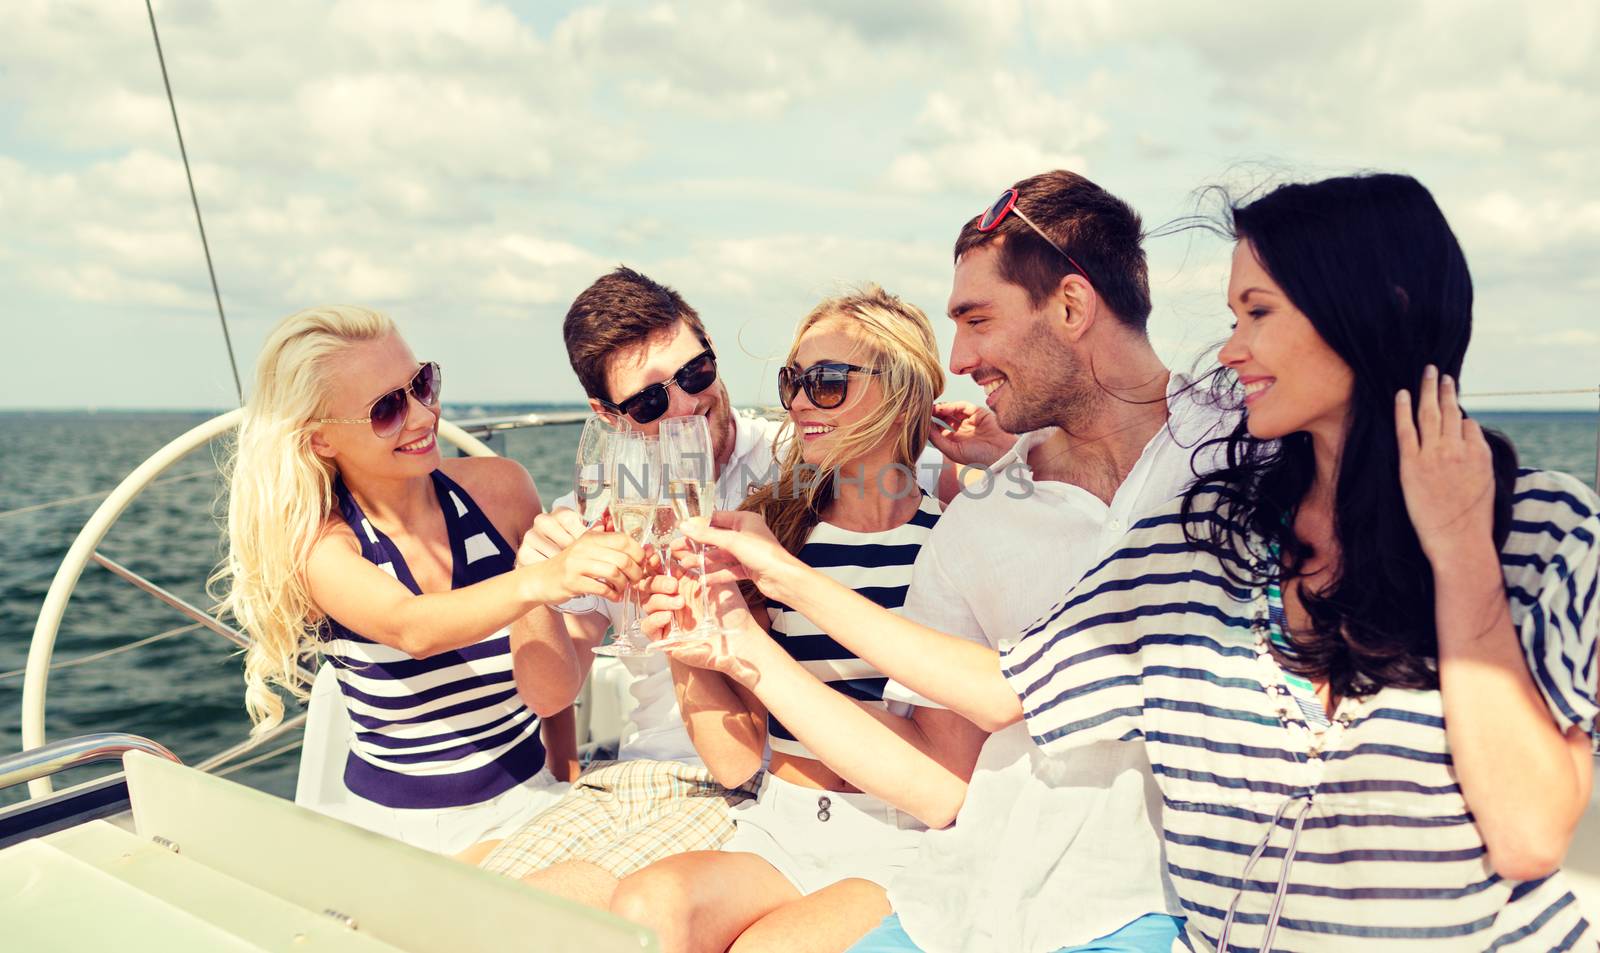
{"x":903,"y":349}
{"x":1372,"y":263}
{"x":280,"y":493}
{"x":1100,"y":231}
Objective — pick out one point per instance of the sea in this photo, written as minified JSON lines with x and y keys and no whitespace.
{"x":186,"y":691}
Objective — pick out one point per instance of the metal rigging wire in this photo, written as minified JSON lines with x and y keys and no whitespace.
{"x":193,"y":197}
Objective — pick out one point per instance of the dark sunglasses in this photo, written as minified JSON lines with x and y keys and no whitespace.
{"x":826,"y":384}
{"x":652,"y":401}
{"x":1005,"y":205}
{"x":388,"y":413}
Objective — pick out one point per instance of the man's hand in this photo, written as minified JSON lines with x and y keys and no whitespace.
{"x":973,"y":438}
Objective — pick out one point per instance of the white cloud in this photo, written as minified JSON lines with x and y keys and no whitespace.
{"x":1434,"y":77}
{"x":979,"y":136}
{"x":471,"y":171}
{"x":761,"y":58}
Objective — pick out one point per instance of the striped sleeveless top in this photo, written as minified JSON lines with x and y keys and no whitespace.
{"x":1279,"y":835}
{"x":444,"y":731}
{"x":876,"y":565}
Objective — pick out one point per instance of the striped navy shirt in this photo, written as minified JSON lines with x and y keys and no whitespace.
{"x":1362,"y":837}
{"x":447,"y":730}
{"x":876,"y":565}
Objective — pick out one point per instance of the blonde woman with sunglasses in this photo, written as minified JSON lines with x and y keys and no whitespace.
{"x":350,"y":537}
{"x":811,"y":854}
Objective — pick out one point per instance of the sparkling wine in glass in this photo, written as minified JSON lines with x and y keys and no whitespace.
{"x":591,"y":481}
{"x":690,"y":470}
{"x":635,"y":491}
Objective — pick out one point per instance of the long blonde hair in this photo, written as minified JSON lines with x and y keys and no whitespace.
{"x":906,"y":355}
{"x":280,"y":493}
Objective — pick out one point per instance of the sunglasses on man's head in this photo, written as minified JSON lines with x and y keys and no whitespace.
{"x":1005,"y":205}
{"x":388,"y":413}
{"x":651,"y":402}
{"x":826,"y":384}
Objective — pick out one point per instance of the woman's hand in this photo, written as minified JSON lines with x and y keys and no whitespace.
{"x":661,"y":602}
{"x":744,"y":549}
{"x":735,"y":652}
{"x":1446,"y":472}
{"x":595,"y":564}
{"x":550,"y":533}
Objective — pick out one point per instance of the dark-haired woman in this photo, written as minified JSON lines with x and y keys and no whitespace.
{"x":1361,"y":657}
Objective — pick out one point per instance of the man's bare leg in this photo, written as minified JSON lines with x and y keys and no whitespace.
{"x":475,"y":854}
{"x":576,"y":880}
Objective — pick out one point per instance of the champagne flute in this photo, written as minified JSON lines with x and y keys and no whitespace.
{"x":692,"y":490}
{"x":592,"y":469}
{"x":635,"y":489}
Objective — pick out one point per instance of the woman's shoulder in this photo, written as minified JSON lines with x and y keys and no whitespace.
{"x":500,"y":486}
{"x":1206,"y":503}
{"x":334,"y":537}
{"x":1550,"y":510}
{"x":1553,"y":495}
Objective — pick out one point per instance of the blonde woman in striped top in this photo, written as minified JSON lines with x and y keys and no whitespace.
{"x":351,"y":537}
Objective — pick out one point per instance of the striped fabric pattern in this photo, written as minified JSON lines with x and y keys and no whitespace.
{"x":1300,"y":688}
{"x":1362,"y":832}
{"x":876,"y":565}
{"x":448,"y":730}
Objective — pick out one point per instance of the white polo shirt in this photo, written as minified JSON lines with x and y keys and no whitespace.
{"x":1045,"y":853}
{"x":655,"y":728}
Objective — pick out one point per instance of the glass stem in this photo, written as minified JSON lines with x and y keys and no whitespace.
{"x":705,"y":591}
{"x":635,"y":610}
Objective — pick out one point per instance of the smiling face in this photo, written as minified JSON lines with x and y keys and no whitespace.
{"x":656,"y":360}
{"x":361,"y":373}
{"x":1030,"y":377}
{"x":820,"y":429}
{"x":1292,"y":380}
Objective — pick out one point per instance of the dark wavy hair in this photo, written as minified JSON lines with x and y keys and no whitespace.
{"x":1373,"y":264}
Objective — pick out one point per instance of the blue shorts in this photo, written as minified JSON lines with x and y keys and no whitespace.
{"x":1151,"y":933}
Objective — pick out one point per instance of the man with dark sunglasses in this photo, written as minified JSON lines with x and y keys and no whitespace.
{"x":637,"y":349}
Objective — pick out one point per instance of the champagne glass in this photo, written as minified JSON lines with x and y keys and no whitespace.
{"x":692,"y":490}
{"x":592,"y":469}
{"x":635,"y":490}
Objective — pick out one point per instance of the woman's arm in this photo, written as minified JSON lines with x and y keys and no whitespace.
{"x":726,"y":723}
{"x":368,"y":600}
{"x":959,"y":674}
{"x":1526,"y":781}
{"x":920,"y":764}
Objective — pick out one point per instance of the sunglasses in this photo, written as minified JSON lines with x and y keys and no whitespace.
{"x":652,"y":401}
{"x":1005,"y":205}
{"x":388,"y":413}
{"x":826,"y":384}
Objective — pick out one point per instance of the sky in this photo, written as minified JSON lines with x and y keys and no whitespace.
{"x":470,"y":166}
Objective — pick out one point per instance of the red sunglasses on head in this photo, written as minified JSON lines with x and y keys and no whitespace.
{"x":1005,"y":205}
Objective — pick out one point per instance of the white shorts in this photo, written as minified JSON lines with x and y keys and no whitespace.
{"x":451,"y":830}
{"x":816,"y":838}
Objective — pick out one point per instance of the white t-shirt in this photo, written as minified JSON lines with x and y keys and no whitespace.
{"x":1045,"y":853}
{"x":655,"y":727}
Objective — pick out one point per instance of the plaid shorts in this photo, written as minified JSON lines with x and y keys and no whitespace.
{"x":621,"y":816}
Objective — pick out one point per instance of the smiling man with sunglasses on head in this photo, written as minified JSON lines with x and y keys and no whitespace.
{"x":1050,"y":302}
